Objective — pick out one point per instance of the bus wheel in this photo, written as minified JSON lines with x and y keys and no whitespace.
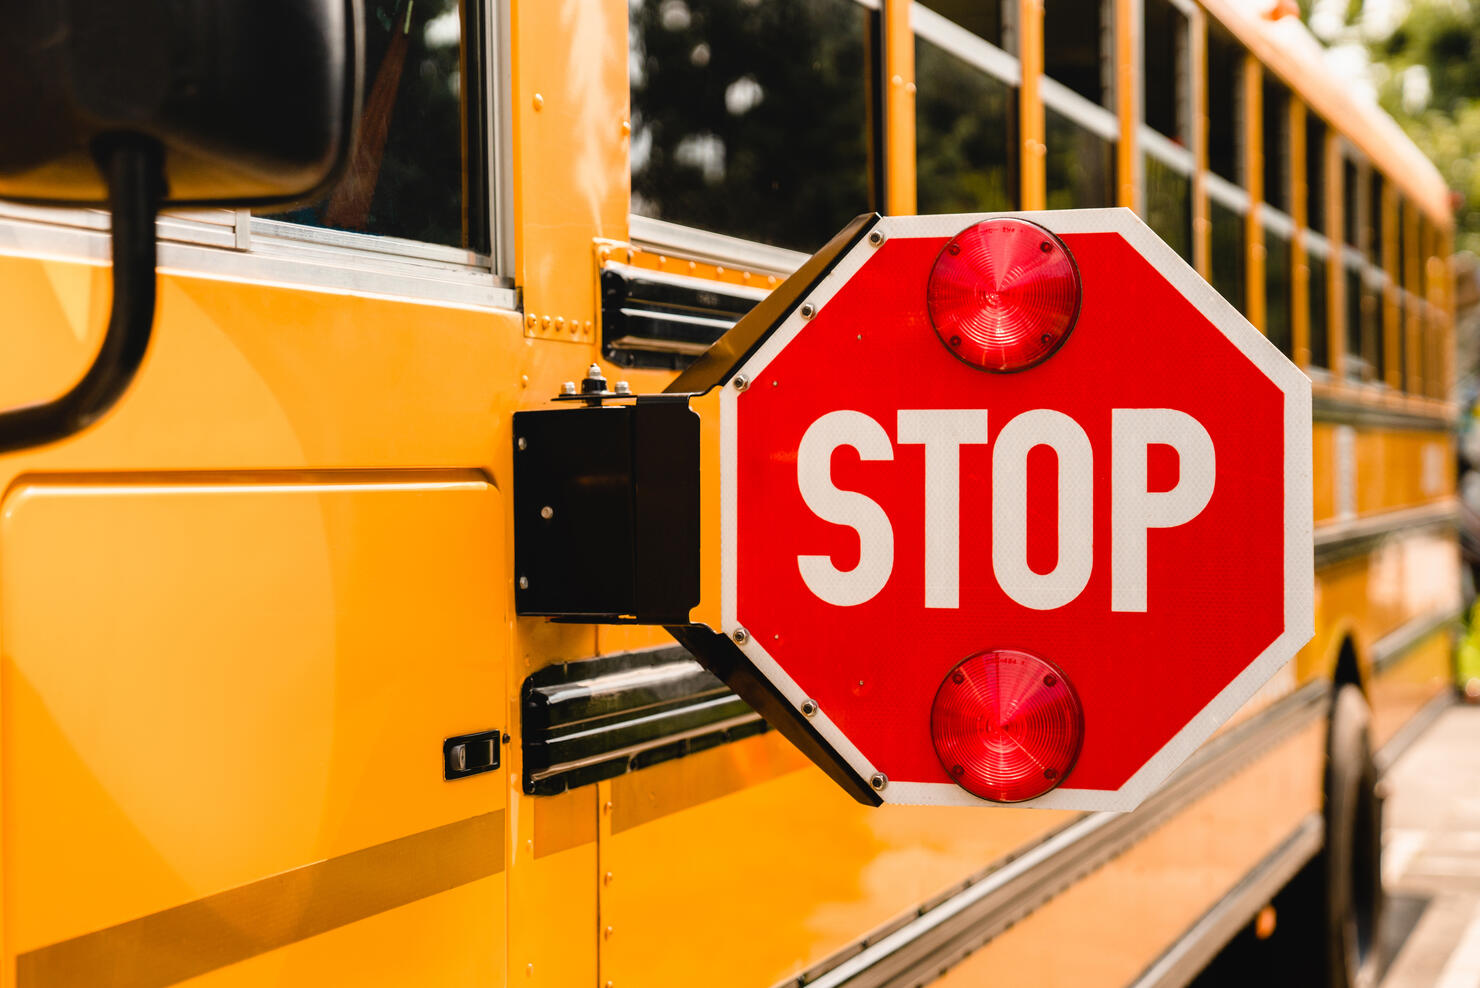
{"x":1351,"y":869}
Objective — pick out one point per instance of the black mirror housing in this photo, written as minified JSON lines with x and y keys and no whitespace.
{"x":252,"y":102}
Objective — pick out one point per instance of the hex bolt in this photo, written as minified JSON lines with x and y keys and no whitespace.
{"x":568,"y":388}
{"x":547,"y":512}
{"x":741,"y":382}
{"x":808,"y":310}
{"x":622,"y":388}
{"x":876,"y":237}
{"x":809,"y":707}
{"x":524,"y":583}
{"x":879,"y":781}
{"x":741,"y":636}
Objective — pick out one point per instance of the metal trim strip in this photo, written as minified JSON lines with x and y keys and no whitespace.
{"x":207,"y":934}
{"x":943,"y":932}
{"x":1346,"y":411}
{"x":1347,"y":540}
{"x":1397,"y":643}
{"x":1190,"y":954}
{"x":704,"y":245}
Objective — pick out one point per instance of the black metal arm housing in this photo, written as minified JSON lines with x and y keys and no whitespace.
{"x":133,"y":167}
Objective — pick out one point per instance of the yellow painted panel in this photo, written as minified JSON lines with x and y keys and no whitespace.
{"x":790,"y":867}
{"x":1393,"y":469}
{"x":205,"y":684}
{"x":1401,"y":689}
{"x":1087,"y":936}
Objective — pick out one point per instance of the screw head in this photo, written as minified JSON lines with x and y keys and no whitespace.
{"x":809,"y":707}
{"x":741,"y":636}
{"x":524,"y":583}
{"x":568,"y":388}
{"x":522,"y":444}
{"x":741,"y":382}
{"x":808,"y":310}
{"x":547,"y":512}
{"x":876,"y":237}
{"x":623,"y":388}
{"x":879,"y":781}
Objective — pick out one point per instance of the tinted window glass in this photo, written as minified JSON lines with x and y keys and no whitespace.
{"x":992,"y":20}
{"x":1076,"y":47}
{"x":965,"y":135}
{"x":1225,"y":106}
{"x":1351,"y":220}
{"x":1372,"y":334}
{"x":1165,"y":65}
{"x":1229,"y":241}
{"x":1169,"y":205}
{"x":1358,"y":364}
{"x":1277,"y":321}
{"x":1320,"y":330}
{"x":1402,"y":354}
{"x":751,"y":119}
{"x":1080,"y":165}
{"x":1375,"y":218}
{"x":1315,"y":172}
{"x":1276,"y":129}
{"x":417,"y":170}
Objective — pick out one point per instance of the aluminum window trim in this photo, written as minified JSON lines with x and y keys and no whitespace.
{"x":1166,"y":150}
{"x":1276,"y":221}
{"x":498,"y":94}
{"x":1316,"y":243}
{"x":956,"y":40}
{"x":368,"y":243}
{"x":1226,"y":193}
{"x":711,"y":247}
{"x":686,"y":281}
{"x":1066,"y":102}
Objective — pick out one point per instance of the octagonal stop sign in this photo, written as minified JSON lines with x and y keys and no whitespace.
{"x":1012,"y":508}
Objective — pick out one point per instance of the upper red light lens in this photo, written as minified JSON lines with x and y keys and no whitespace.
{"x":1007,"y":725}
{"x":1003,"y":294}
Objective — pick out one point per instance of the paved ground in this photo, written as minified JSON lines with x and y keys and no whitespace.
{"x":1431,"y":855}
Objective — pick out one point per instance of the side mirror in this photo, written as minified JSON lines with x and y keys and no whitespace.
{"x":155,"y":103}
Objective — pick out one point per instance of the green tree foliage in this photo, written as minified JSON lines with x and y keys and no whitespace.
{"x":1430,"y":81}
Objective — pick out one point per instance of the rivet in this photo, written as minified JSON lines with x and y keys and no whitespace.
{"x":539,"y":102}
{"x":876,"y":237}
{"x":604,"y":253}
{"x":897,"y":80}
{"x":662,"y":260}
{"x":693,"y":267}
{"x":879,"y":781}
{"x":607,"y":878}
{"x":719,"y":271}
{"x":910,"y":88}
{"x":532,"y":320}
{"x":545,"y":321}
{"x":523,"y":383}
{"x":559,"y":323}
{"x":608,"y":932}
{"x":808,"y":310}
{"x":741,"y":636}
{"x":529,"y":971}
{"x":741,"y":382}
{"x":744,"y":275}
{"x":809,"y":707}
{"x":524,"y":583}
{"x":771,"y":280}
{"x":523,"y":443}
{"x":626,"y":127}
{"x":547,"y":512}
{"x":606,"y":807}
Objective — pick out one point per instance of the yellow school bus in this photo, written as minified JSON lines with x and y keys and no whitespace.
{"x":269,"y":713}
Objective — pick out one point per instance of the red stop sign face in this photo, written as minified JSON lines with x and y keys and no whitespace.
{"x":1135,"y":509}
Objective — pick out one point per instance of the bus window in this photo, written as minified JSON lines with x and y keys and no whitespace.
{"x":1351,"y":199}
{"x":1169,"y":204}
{"x":1400,"y":234}
{"x":1077,"y":38}
{"x":1165,"y":64}
{"x":751,"y":118}
{"x":1317,"y":298}
{"x":1080,"y":165}
{"x":1277,"y":301}
{"x":1315,"y":172}
{"x":1225,"y":106}
{"x":1402,"y":354}
{"x":1372,"y":334}
{"x":1229,"y":245}
{"x":965,"y":122}
{"x":1276,"y":127}
{"x":991,"y":20}
{"x":418,"y":171}
{"x":1358,"y":362}
{"x":1375,"y":217}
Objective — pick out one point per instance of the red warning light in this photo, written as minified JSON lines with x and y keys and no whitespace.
{"x":1003,"y":294}
{"x":1007,"y":725}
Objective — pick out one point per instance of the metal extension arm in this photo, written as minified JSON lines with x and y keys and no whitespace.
{"x":134,"y":169}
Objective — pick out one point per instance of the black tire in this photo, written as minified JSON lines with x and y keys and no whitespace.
{"x":1351,"y":864}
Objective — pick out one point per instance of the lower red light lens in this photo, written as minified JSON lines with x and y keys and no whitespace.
{"x":1007,"y":725}
{"x":1003,"y":294}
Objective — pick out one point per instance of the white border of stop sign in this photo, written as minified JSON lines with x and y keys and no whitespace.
{"x":1299,"y":575}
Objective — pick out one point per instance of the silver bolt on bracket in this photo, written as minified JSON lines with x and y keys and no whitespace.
{"x":741,"y":382}
{"x":876,"y":237}
{"x":808,"y":310}
{"x":622,"y":388}
{"x":880,"y":781}
{"x":547,"y":512}
{"x":741,"y":636}
{"x":524,"y":583}
{"x":522,"y":443}
{"x":568,"y":388}
{"x":809,"y":707}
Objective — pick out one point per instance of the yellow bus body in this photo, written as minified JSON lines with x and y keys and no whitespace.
{"x":240,"y":614}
